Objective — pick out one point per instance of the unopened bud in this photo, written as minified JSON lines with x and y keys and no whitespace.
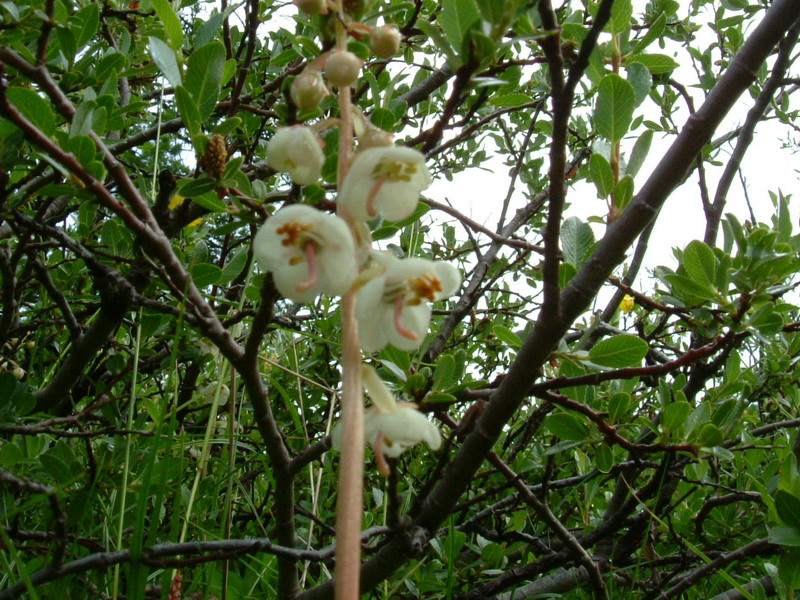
{"x":312,"y":7}
{"x":385,"y":41}
{"x":308,"y":89}
{"x":342,"y":67}
{"x":215,"y":157}
{"x":373,"y":137}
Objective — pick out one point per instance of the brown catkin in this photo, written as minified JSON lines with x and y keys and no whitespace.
{"x":215,"y":157}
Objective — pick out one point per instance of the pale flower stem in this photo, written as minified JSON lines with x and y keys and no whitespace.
{"x":351,"y":466}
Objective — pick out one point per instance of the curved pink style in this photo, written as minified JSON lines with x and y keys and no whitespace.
{"x":399,"y":304}
{"x":311,"y":259}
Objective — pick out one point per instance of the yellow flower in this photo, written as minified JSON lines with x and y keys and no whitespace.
{"x":175,"y":201}
{"x":627,"y":304}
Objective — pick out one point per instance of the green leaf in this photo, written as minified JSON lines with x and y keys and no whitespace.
{"x":10,"y":454}
{"x":189,"y":188}
{"x":710,"y":435}
{"x":788,"y":508}
{"x":618,"y":406}
{"x":675,"y":414}
{"x":566,"y":272}
{"x":639,"y":153}
{"x":601,"y":175}
{"x":642,"y":81}
{"x":210,"y":201}
{"x":655,"y":63}
{"x":623,"y":193}
{"x":789,"y":569}
{"x":577,"y":241}
{"x":652,"y":34}
{"x":445,"y":370}
{"x":698,"y":260}
{"x":205,"y":274}
{"x":510,"y":99}
{"x":204,"y":72}
{"x":67,"y":43}
{"x":234,"y":266}
{"x":165,"y":58}
{"x":783,"y":221}
{"x":619,"y":351}
{"x":439,"y":397}
{"x":114,"y":61}
{"x":383,"y":118}
{"x":89,"y":18}
{"x":509,"y":337}
{"x":188,"y":110}
{"x":228,"y":125}
{"x":688,"y":290}
{"x":170,"y":21}
{"x":604,"y":459}
{"x":456,"y":17}
{"x":621,"y":14}
{"x":435,"y":35}
{"x":784,"y":535}
{"x":614,"y":108}
{"x":567,"y":427}
{"x":34,"y":108}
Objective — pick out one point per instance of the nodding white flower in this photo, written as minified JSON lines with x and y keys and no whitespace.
{"x":296,"y":150}
{"x":384,"y":181}
{"x":390,"y":427}
{"x":308,"y":252}
{"x":392,"y":308}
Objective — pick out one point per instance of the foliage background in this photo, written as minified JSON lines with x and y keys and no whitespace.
{"x":164,"y":412}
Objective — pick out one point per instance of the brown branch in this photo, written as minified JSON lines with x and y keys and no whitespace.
{"x":760,"y":547}
{"x":544,"y":512}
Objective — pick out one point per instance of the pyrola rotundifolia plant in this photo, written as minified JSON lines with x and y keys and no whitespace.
{"x":385,"y":298}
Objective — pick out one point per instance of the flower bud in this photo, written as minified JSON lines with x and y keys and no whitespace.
{"x":308,"y":89}
{"x":312,"y":7}
{"x":342,"y":67}
{"x":374,"y":137}
{"x":385,"y":41}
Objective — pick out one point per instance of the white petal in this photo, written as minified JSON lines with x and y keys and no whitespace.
{"x":295,"y":150}
{"x":406,"y":427}
{"x":395,"y":198}
{"x":416,"y":319}
{"x":372,"y":314}
{"x":450,"y":278}
{"x":377,"y":390}
{"x":284,"y":254}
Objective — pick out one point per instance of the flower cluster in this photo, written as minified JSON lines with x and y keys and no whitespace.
{"x":310,"y":252}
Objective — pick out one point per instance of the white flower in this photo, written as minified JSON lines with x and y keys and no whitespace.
{"x":308,"y":252}
{"x":296,"y":150}
{"x":384,"y":181}
{"x":392,"y":308}
{"x":390,"y":427}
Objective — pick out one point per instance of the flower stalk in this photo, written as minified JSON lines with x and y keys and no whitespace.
{"x":351,"y":469}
